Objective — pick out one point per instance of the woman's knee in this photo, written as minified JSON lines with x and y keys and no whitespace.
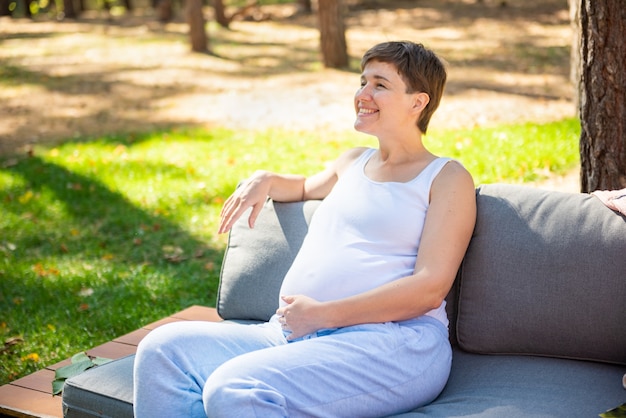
{"x":157,"y":339}
{"x":234,"y":391}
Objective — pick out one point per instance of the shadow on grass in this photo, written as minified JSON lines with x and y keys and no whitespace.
{"x":80,"y":264}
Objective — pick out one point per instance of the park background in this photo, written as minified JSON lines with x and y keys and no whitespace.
{"x":118,"y":144}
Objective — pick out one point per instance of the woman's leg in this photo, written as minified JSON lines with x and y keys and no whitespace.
{"x":361,"y":371}
{"x":174,"y":361}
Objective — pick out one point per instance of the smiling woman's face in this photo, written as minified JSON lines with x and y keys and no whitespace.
{"x":382,"y":103}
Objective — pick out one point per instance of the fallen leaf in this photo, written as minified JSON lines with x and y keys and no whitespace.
{"x":12,"y":341}
{"x":80,"y":363}
{"x":85,"y":291}
{"x":34,"y":357}
{"x":42,"y":271}
{"x":26,"y":197}
{"x":173,"y":253}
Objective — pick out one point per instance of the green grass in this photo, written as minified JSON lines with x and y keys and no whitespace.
{"x":100,"y":237}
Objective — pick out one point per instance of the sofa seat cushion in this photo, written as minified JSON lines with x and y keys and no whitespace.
{"x":490,"y":386}
{"x":479,"y":386}
{"x":545,"y":274}
{"x":103,"y":391}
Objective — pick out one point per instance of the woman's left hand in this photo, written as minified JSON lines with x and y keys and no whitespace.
{"x":301,"y":315}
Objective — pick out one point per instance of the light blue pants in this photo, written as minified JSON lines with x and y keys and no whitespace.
{"x":198,"y":369}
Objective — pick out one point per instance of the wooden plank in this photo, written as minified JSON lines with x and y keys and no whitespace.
{"x":162,"y":321}
{"x":198,"y":313}
{"x":31,"y":395}
{"x":112,"y":350}
{"x":16,"y":401}
{"x":60,"y":364}
{"x":195,"y":312}
{"x":132,"y":338}
{"x":40,"y":380}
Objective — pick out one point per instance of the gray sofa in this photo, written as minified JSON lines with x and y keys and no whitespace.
{"x":537,"y":313}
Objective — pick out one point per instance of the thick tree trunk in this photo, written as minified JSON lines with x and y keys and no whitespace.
{"x":603,"y":95}
{"x":332,"y":34}
{"x":197,"y":31}
{"x":574,"y":14}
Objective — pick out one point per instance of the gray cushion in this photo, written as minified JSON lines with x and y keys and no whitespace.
{"x":256,"y":261}
{"x":545,"y":274}
{"x":524,"y":386}
{"x":103,"y":391}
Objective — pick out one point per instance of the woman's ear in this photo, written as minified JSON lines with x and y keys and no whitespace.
{"x":420,"y":101}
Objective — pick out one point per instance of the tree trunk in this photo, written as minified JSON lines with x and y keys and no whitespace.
{"x":574,"y":74}
{"x":305,"y":6}
{"x":27,"y":12}
{"x":197,"y":32}
{"x":220,"y":13}
{"x":332,"y":34}
{"x":164,"y":10}
{"x":4,"y":8}
{"x":603,"y":95}
{"x":69,"y":11}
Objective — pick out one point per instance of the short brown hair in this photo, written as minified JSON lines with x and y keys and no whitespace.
{"x":421,"y":69}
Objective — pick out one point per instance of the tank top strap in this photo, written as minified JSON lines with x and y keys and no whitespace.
{"x":432,"y":170}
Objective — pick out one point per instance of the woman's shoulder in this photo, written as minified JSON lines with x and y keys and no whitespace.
{"x":356,"y":152}
{"x":350,"y":156}
{"x":453,"y":178}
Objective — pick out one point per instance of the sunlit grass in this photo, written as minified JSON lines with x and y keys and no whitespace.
{"x":100,"y":237}
{"x":516,"y":153}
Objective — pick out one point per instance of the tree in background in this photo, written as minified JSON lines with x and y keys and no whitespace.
{"x":69,"y":11}
{"x":332,"y":34}
{"x":196,"y":21}
{"x":4,"y":8}
{"x":602,"y":93}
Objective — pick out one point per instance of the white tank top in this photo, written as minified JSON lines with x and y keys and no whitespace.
{"x":363,"y":235}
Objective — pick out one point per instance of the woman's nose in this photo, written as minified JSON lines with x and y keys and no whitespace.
{"x":363,"y":93}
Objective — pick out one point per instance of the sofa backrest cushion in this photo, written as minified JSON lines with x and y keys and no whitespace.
{"x":545,"y":274}
{"x":256,"y":260}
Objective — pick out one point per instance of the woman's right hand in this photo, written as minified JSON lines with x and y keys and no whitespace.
{"x":253,"y":193}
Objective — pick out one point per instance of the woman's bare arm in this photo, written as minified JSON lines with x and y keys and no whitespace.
{"x":281,"y":188}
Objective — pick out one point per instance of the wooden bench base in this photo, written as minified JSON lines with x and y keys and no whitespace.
{"x":31,"y":396}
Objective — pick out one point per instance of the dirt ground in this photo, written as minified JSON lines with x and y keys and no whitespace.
{"x":508,"y":61}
